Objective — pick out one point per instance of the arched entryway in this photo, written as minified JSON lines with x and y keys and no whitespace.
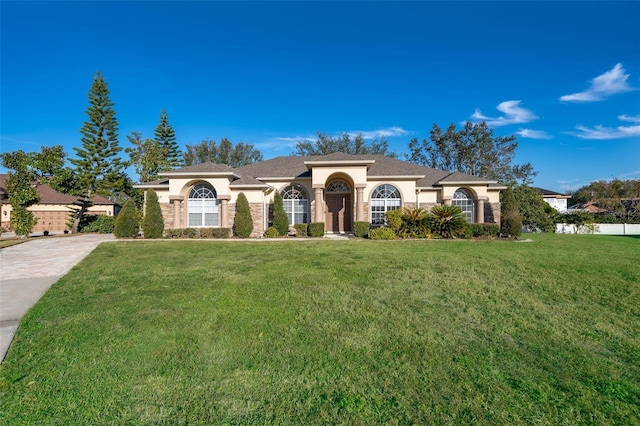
{"x":339,"y":211}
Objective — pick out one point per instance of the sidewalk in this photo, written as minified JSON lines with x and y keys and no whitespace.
{"x":27,"y":271}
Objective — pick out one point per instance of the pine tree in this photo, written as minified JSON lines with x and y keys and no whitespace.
{"x":127,"y":222}
{"x":242,"y":222}
{"x":100,"y":170}
{"x":152,"y":223}
{"x":280,"y":218}
{"x":165,"y":134}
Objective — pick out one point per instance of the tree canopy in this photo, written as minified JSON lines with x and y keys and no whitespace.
{"x":473,"y":150}
{"x":148,"y":157}
{"x":166,"y":137}
{"x":347,"y":143}
{"x":225,"y":152}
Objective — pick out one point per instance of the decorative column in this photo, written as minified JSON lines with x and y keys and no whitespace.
{"x":480,"y":210}
{"x":359,"y":203}
{"x":224,"y":214}
{"x":319,"y":204}
{"x":176,"y":200}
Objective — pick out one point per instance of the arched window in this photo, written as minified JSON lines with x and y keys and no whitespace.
{"x":338,"y":186}
{"x":202,"y":206}
{"x":296,"y":204}
{"x":463,"y":199}
{"x":384,"y":198}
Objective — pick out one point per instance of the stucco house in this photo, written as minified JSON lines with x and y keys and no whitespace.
{"x":336,"y":189}
{"x":53,"y":209}
{"x":555,"y":199}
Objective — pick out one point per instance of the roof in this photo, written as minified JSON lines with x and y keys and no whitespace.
{"x":550,"y":194}
{"x":202,"y":168}
{"x":48,"y":195}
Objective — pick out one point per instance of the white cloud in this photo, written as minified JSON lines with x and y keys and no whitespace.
{"x":600,"y":132}
{"x":380,"y":133}
{"x":533,"y":134}
{"x":610,"y":83}
{"x":513,"y":114}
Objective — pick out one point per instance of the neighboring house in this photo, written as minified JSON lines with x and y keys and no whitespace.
{"x":336,"y":189}
{"x":53,"y":208}
{"x":626,"y":207}
{"x":555,"y":199}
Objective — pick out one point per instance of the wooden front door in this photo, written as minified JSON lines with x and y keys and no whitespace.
{"x":339,"y":213}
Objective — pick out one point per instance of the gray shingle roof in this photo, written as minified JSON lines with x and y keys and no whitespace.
{"x":207,"y":167}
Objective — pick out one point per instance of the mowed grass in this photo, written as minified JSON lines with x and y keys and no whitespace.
{"x":332,"y":332}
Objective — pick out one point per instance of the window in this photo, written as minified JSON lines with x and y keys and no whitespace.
{"x":296,"y":204}
{"x":202,"y":206}
{"x":338,"y":186}
{"x":384,"y":198}
{"x":464,"y":200}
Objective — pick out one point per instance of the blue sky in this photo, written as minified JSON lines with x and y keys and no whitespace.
{"x":564,"y":77}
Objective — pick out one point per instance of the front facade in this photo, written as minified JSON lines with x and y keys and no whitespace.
{"x":555,"y":199}
{"x":336,"y":189}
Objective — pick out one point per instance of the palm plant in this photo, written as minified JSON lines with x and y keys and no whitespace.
{"x":415,"y":223}
{"x":448,"y":221}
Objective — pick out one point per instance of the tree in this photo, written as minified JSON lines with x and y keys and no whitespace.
{"x":345,"y":143}
{"x":21,"y":186}
{"x":473,"y":150}
{"x":280,"y":218}
{"x":128,"y":221}
{"x":615,"y":196}
{"x":152,"y":222}
{"x":166,"y":137}
{"x":226,"y":152}
{"x":98,"y":166}
{"x":148,"y":156}
{"x":242,"y":222}
{"x":510,"y":219}
{"x":535,"y":212}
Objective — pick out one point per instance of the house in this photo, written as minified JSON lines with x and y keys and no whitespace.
{"x":53,"y":208}
{"x":336,"y":189}
{"x":555,"y":199}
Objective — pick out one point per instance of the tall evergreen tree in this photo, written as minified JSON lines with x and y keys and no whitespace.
{"x":100,"y":170}
{"x":152,"y":222}
{"x":280,"y":218}
{"x":510,"y":218}
{"x":166,"y":136}
{"x":242,"y":222}
{"x":148,"y":156}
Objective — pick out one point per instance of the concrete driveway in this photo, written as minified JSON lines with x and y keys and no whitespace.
{"x":27,"y":271}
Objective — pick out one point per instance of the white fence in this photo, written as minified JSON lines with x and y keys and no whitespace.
{"x":600,"y":228}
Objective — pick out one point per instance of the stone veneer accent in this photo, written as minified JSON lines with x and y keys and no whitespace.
{"x":167,"y":215}
{"x":256,"y":214}
{"x":493,"y":215}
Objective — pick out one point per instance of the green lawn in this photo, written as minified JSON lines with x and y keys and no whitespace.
{"x":333,"y":332}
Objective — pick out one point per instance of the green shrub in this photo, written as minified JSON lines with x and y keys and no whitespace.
{"x":316,"y":229}
{"x":302,"y":229}
{"x":205,"y":232}
{"x":394,"y":219}
{"x":242,"y":222}
{"x":271,"y":232}
{"x":180,"y":233}
{"x":280,"y":218}
{"x":415,"y":223}
{"x":152,"y":223}
{"x":22,"y":221}
{"x":448,"y":221}
{"x":510,"y":218}
{"x":480,"y":230}
{"x":360,"y":229}
{"x":384,"y":233}
{"x":99,"y":224}
{"x":127,"y":224}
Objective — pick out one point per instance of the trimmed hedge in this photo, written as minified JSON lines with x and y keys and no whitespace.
{"x":302,"y":229}
{"x":383,"y":233}
{"x":180,"y":233}
{"x":152,"y":223}
{"x":316,"y":229}
{"x":271,"y":232}
{"x":213,"y":232}
{"x":99,"y":224}
{"x":280,"y":218}
{"x":360,"y":229}
{"x":127,"y":224}
{"x":484,"y":230}
{"x":242,"y":222}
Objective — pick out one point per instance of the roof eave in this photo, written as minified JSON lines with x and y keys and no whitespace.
{"x":201,"y":174}
{"x":330,"y":163}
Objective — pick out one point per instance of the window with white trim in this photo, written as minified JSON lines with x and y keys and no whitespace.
{"x":463,"y":199}
{"x":296,"y":204}
{"x":384,"y":198}
{"x":202,"y":206}
{"x":338,"y":186}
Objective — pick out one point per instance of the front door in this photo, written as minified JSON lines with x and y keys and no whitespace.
{"x":339,"y":213}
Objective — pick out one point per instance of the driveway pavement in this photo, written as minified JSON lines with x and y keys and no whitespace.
{"x":27,"y":271}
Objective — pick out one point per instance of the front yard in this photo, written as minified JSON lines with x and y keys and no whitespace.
{"x":328,"y":332}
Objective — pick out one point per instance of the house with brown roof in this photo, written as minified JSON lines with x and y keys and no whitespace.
{"x":53,"y":209}
{"x":336,"y":189}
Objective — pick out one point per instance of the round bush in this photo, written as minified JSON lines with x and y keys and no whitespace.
{"x":128,"y":221}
